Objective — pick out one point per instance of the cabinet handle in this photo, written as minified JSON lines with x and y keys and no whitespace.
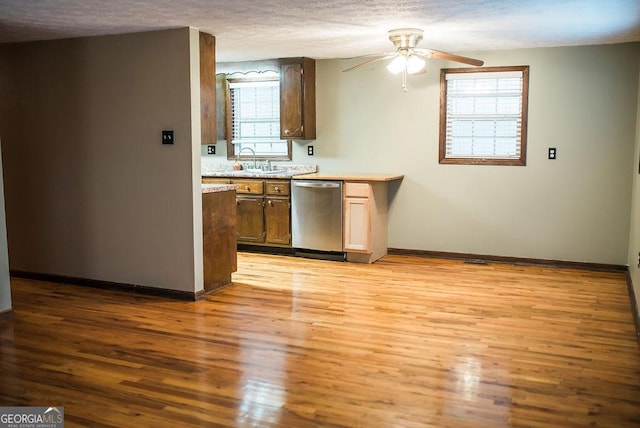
{"x":286,"y":132}
{"x":248,"y":188}
{"x":270,"y":203}
{"x":276,"y":188}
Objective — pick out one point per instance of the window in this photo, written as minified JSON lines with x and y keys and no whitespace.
{"x":483,"y":115}
{"x":255,"y":119}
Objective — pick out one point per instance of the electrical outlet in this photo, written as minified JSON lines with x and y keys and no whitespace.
{"x":167,"y":137}
{"x":310,"y":150}
{"x":639,"y":260}
{"x":552,"y":152}
{"x":211,"y":150}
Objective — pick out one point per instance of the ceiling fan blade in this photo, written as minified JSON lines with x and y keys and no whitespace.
{"x":370,"y":55}
{"x":371,"y":61}
{"x":451,"y":57}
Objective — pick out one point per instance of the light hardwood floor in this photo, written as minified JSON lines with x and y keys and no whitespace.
{"x":405,"y":342}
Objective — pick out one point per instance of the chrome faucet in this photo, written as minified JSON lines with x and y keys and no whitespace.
{"x":255,"y":165}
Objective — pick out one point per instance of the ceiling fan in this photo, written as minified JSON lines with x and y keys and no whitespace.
{"x":407,"y":59}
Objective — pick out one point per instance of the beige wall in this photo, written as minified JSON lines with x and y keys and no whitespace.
{"x":90,"y":190}
{"x":582,"y":101}
{"x":634,"y":237}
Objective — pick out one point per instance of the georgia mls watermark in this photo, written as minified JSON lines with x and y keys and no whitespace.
{"x":31,"y":417}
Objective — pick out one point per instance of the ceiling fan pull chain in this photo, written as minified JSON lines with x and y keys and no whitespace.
{"x":404,"y":79}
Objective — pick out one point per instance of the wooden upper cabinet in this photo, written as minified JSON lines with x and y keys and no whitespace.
{"x":223,"y":107}
{"x":297,"y":98}
{"x":207,"y":89}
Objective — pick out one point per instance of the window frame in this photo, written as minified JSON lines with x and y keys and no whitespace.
{"x":230,"y":146}
{"x":522,"y":160}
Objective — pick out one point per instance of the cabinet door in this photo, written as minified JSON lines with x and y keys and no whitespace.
{"x":250,"y":219}
{"x":278,"y":221}
{"x":219,"y":238}
{"x":223,"y":108}
{"x":297,"y":99}
{"x":208,"y":89}
{"x":357,"y":224}
{"x":291,"y":101}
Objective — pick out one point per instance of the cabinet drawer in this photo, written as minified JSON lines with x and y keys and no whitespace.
{"x":254,"y":187}
{"x":282,"y":188}
{"x":357,"y":190}
{"x":207,"y":180}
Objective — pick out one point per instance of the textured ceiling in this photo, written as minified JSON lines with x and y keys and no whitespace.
{"x":260,"y":29}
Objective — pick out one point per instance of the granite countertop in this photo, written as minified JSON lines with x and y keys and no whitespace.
{"x":286,"y":171}
{"x":251,"y":174}
{"x":212,"y":188}
{"x":349,"y":176}
{"x":281,"y":171}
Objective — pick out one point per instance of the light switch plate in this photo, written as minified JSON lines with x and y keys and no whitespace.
{"x":167,"y":137}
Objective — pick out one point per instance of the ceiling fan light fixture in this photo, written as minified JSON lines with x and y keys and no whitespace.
{"x":415,"y":64}
{"x":398,"y":64}
{"x":408,"y":59}
{"x":406,"y":63}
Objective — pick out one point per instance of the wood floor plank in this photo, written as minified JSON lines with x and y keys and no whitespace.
{"x":407,"y":341}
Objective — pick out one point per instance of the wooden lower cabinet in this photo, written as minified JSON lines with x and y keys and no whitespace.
{"x":277,"y":215}
{"x":219,"y":239}
{"x":357,"y":224}
{"x":250,"y":219}
{"x":365,"y":221}
{"x":264,"y":212}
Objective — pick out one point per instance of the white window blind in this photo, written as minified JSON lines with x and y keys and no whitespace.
{"x":255,"y":117}
{"x":484,"y":115}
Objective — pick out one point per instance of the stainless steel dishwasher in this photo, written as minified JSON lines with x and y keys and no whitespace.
{"x":316,"y":218}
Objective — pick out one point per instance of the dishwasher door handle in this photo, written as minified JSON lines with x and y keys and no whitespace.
{"x":316,"y":185}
